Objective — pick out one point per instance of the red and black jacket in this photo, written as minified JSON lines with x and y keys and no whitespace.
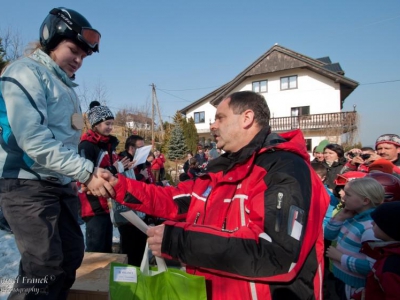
{"x":252,"y":224}
{"x":101,"y":151}
{"x":383,"y":282}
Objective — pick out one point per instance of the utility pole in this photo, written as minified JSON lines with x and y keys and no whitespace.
{"x":154,"y":103}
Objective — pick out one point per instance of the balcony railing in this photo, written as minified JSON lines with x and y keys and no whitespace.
{"x":347,"y":121}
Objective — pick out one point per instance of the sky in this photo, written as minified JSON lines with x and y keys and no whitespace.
{"x":189,"y":48}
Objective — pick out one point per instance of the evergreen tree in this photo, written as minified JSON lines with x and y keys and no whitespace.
{"x":177,"y":146}
{"x":167,"y":135}
{"x":192,"y":138}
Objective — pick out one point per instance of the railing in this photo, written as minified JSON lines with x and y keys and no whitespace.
{"x":345,"y":120}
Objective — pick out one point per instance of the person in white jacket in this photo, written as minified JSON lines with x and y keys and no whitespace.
{"x":40,"y":127}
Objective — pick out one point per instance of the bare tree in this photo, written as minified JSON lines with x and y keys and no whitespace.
{"x":100,"y":92}
{"x":83,"y":95}
{"x":12,"y":43}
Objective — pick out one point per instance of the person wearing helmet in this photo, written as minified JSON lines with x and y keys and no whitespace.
{"x":390,"y":183}
{"x":40,"y":127}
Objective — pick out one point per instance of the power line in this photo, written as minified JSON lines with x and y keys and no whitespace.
{"x":194,"y":89}
{"x":379,"y":82}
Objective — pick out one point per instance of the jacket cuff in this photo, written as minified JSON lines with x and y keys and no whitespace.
{"x":120,"y":188}
{"x":86,"y":172}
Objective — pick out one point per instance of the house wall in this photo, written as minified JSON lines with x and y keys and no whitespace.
{"x":321,"y":94}
{"x":314,"y":90}
{"x":209,"y":116}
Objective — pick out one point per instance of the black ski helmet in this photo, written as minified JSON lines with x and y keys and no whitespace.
{"x":64,"y":23}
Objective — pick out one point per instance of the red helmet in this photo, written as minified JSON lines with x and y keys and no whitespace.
{"x":390,"y":183}
{"x":342,"y":179}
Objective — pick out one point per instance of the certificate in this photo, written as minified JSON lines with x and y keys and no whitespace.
{"x":141,"y":155}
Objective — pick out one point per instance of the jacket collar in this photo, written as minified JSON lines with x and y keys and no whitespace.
{"x":228,"y":160}
{"x":46,"y":60}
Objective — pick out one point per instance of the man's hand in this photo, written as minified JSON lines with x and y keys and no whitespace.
{"x":155,"y":237}
{"x":357,"y":160}
{"x":334,"y":253}
{"x":372,"y":158}
{"x":125,"y":163}
{"x":98,"y":184}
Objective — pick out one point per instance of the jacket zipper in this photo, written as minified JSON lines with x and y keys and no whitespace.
{"x":279,"y":212}
{"x":197,"y":218}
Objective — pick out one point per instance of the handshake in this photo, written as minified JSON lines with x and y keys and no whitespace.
{"x":101,"y":183}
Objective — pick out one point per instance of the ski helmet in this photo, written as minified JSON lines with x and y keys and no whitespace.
{"x":64,"y":23}
{"x":390,"y":183}
{"x":342,"y":179}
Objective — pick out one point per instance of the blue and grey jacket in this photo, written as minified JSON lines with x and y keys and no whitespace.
{"x":37,"y":140}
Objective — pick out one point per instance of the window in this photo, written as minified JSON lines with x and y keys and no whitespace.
{"x":260,"y":86}
{"x":289,"y":82}
{"x":308,"y":144}
{"x":199,"y":117}
{"x":300,"y":111}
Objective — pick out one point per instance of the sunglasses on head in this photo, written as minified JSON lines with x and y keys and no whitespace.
{"x":89,"y":36}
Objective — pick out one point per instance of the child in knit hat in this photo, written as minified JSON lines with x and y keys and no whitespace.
{"x":383,"y":282}
{"x":99,"y":146}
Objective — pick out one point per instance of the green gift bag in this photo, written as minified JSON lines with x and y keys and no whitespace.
{"x":154,"y":283}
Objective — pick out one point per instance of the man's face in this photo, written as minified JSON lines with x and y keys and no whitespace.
{"x":138,"y":144}
{"x":388,"y":151}
{"x":226,"y":128}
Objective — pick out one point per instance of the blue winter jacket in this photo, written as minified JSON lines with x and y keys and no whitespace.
{"x":37,"y":140}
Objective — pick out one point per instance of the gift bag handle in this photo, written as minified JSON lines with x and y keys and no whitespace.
{"x":144,"y":266}
{"x":139,"y":223}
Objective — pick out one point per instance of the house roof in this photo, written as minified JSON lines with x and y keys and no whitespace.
{"x":201,"y":100}
{"x":279,"y":58}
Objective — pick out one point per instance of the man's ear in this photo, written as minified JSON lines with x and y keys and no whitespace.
{"x":248,"y":117}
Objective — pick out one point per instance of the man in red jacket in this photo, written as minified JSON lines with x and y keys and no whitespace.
{"x":252,"y":223}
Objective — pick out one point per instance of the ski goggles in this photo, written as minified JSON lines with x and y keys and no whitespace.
{"x":343,"y":179}
{"x":89,"y":36}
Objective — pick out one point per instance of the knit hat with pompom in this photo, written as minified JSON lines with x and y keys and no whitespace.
{"x":98,"y":113}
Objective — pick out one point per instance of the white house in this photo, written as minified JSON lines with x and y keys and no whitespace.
{"x":301,"y":92}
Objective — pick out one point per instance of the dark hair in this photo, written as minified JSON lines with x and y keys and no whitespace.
{"x":313,"y":150}
{"x":367,"y":149}
{"x":336,"y":148}
{"x":241,"y":101}
{"x":131,"y":141}
{"x":320,"y":169}
{"x":193,"y":162}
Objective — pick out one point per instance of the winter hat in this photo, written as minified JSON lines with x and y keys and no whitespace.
{"x":386,"y":216}
{"x":98,"y":113}
{"x":382,"y":165}
{"x":388,"y":138}
{"x":321,"y":146}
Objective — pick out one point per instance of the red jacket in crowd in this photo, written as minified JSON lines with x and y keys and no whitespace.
{"x":251,"y":224}
{"x":383,"y":282}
